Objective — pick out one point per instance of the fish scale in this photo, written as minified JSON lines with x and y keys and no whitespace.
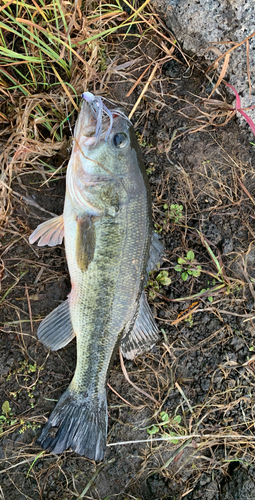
{"x":110,"y":249}
{"x":104,"y":288}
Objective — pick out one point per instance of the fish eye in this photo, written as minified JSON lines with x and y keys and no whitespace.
{"x":120,"y":140}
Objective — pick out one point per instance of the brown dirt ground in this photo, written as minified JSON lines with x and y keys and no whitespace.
{"x":201,"y":371}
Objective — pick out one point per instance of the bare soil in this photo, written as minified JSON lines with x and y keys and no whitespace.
{"x":201,"y":371}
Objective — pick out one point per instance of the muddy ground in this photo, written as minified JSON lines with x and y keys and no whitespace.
{"x":201,"y":372}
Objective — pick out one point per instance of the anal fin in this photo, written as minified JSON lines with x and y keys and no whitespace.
{"x":56,"y":330}
{"x":144,"y":333}
{"x":49,"y":233}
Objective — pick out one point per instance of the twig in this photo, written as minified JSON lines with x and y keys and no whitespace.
{"x":249,"y":283}
{"x":138,"y":81}
{"x":29,"y":309}
{"x":86,"y":489}
{"x":144,"y":90}
{"x":246,"y":191}
{"x":184,"y":316}
{"x":132,"y":383}
{"x":24,"y":198}
{"x":184,"y":396}
{"x":115,"y":392}
{"x":228,"y":51}
{"x":174,"y":455}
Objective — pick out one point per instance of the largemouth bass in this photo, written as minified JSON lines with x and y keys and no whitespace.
{"x":110,"y":249}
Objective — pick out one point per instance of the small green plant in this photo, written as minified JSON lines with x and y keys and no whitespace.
{"x":189,"y":320}
{"x":174,"y":213}
{"x":188,"y":266}
{"x":165,"y":425}
{"x":161,"y":279}
{"x":30,"y":373}
{"x":142,"y":141}
{"x":213,"y":283}
{"x":158,"y":228}
{"x":210,"y":298}
{"x":25,"y":369}
{"x":149,"y":170}
{"x":28,"y":425}
{"x":6,"y":418}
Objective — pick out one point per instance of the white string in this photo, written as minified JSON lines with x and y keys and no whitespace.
{"x":99,"y":110}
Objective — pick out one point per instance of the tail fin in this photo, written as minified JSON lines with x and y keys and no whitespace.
{"x":79,"y":423}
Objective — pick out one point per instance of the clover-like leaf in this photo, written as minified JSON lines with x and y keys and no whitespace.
{"x":173,"y":434}
{"x":6,"y":408}
{"x":153,"y":429}
{"x":161,"y":275}
{"x":164,"y":416}
{"x":163,"y":278}
{"x":177,"y":419}
{"x":196,"y":272}
{"x":184,"y":276}
{"x":182,"y":261}
{"x":190,"y":255}
{"x":165,"y":281}
{"x":178,"y":268}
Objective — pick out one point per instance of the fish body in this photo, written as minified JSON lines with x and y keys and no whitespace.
{"x":109,"y":244}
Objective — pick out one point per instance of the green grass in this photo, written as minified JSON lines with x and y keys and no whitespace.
{"x":57,"y":49}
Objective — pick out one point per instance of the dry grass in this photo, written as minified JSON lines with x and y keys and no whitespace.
{"x":95,"y":50}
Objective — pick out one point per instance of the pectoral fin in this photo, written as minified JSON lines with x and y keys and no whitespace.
{"x":144,"y":333}
{"x":56,"y":330}
{"x":85,"y":242}
{"x":49,"y":233}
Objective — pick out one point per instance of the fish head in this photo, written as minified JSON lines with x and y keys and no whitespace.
{"x":105,"y":152}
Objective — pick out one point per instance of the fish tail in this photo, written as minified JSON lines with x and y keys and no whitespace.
{"x":78,"y":422}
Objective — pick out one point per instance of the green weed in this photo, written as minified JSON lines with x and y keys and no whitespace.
{"x":154,"y":284}
{"x":188,"y":266}
{"x":166,"y":425}
{"x":143,"y":142}
{"x":25,"y":425}
{"x":173,"y":213}
{"x":6,"y":419}
{"x":26,"y":371}
{"x":151,"y":169}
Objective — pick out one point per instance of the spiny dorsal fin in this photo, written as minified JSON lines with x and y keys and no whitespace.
{"x":49,"y":233}
{"x":56,"y":330}
{"x":144,"y":333}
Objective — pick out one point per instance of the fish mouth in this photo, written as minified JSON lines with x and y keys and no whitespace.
{"x":95,"y":120}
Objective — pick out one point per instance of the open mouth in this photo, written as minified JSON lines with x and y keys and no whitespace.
{"x":101,"y":119}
